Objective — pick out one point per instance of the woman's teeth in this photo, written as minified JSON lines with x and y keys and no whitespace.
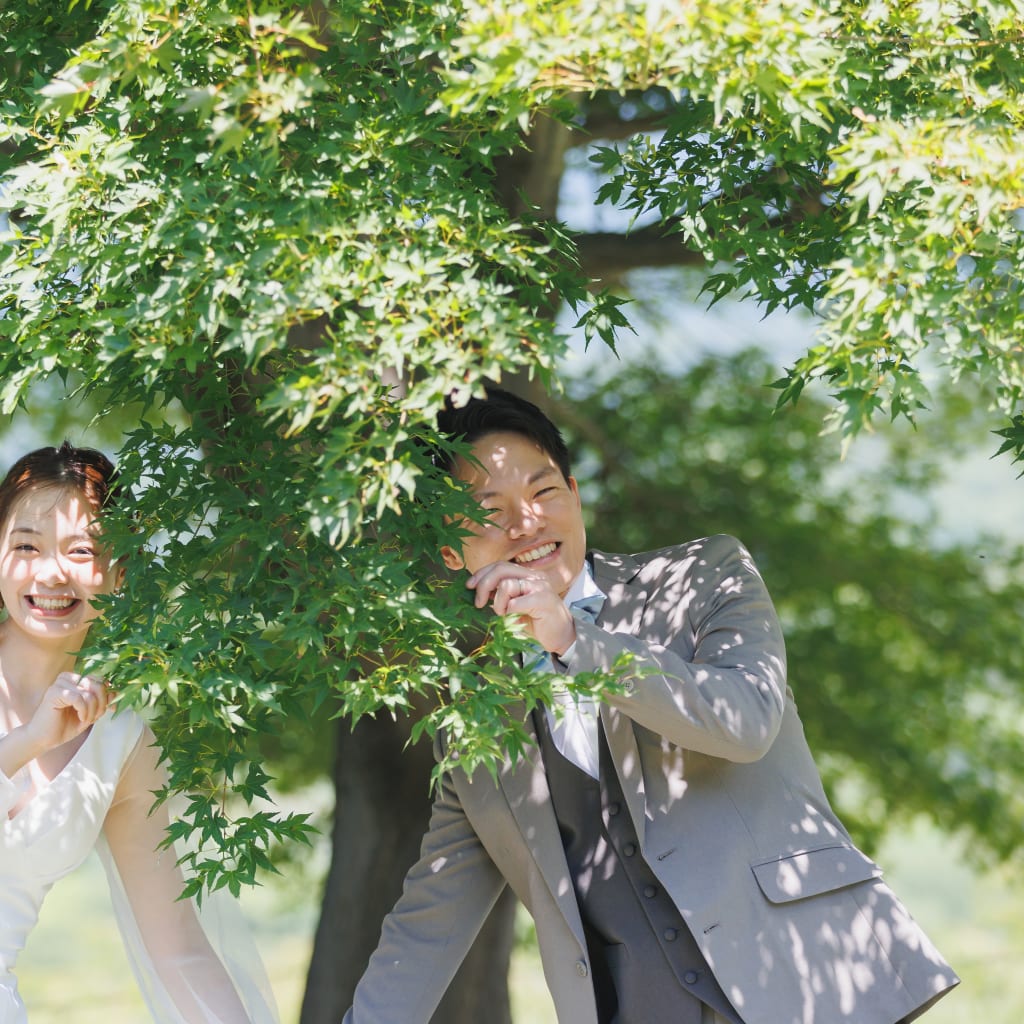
{"x":52,"y":604}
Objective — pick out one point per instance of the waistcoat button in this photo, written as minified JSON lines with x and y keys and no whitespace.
{"x":650,"y":891}
{"x":581,"y":968}
{"x":691,"y":977}
{"x":670,"y":934}
{"x":629,"y":849}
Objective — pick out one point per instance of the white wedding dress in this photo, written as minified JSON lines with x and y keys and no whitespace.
{"x":51,"y":834}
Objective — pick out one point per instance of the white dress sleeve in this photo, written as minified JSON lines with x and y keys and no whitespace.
{"x":193,"y":966}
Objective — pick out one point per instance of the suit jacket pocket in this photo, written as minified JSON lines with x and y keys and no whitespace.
{"x":795,"y":876}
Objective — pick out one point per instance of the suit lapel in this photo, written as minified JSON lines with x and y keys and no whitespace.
{"x":525,"y":785}
{"x":619,"y":577}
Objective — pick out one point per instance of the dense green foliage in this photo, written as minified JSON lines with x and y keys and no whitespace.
{"x":860,"y":159}
{"x":251,"y":221}
{"x":214,"y":211}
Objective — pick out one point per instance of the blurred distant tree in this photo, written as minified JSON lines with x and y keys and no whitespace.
{"x":901,"y":650}
{"x":262,"y":217}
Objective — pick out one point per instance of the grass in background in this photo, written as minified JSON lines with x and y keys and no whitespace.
{"x":74,"y":970}
{"x":975,"y":917}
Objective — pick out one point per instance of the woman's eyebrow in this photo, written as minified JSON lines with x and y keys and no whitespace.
{"x":74,"y":539}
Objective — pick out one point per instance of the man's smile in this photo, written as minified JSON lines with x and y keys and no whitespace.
{"x":534,"y":554}
{"x":534,"y":518}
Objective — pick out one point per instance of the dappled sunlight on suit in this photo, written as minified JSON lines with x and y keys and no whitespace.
{"x":795,"y":923}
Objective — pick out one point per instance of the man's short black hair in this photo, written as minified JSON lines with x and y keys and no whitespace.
{"x":503,"y":412}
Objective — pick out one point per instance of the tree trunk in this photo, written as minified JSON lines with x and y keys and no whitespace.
{"x":383,"y":806}
{"x":382,"y":786}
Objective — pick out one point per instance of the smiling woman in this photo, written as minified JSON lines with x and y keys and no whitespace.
{"x":51,"y":561}
{"x":73,"y":774}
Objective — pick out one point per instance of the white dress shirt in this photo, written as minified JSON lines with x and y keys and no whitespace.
{"x":574,"y":720}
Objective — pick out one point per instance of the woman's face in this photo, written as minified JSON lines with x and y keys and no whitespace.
{"x":52,"y":564}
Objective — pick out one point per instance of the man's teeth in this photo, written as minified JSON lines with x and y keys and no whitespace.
{"x":53,"y":604}
{"x":534,"y":554}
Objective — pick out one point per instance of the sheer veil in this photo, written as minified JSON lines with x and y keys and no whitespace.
{"x":168,"y":981}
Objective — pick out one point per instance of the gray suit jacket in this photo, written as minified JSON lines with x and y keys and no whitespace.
{"x":795,"y":922}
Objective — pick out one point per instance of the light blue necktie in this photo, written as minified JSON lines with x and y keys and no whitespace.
{"x":588,"y":608}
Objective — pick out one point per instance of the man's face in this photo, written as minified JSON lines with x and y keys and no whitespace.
{"x":535,"y":516}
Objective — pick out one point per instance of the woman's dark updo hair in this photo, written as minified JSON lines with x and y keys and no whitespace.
{"x":84,"y":469}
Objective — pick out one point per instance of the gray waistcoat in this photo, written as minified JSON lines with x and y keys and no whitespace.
{"x":646,"y":967}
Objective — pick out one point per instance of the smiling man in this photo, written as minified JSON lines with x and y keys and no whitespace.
{"x":674,"y":844}
{"x":527,"y":556}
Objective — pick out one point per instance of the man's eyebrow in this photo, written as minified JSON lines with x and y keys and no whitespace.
{"x":530,"y":481}
{"x":541,"y":473}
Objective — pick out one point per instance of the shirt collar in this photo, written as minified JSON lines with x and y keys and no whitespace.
{"x":583,"y":587}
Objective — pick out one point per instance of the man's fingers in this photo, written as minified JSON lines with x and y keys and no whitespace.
{"x":508,"y":590}
{"x":490,"y":582}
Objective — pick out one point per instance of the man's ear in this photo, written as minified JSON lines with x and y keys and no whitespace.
{"x":452,"y":558}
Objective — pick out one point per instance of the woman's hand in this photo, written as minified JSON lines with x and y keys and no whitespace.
{"x":69,"y":706}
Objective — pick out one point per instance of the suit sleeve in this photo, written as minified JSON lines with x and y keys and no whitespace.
{"x":445,"y":900}
{"x":713,"y":679}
